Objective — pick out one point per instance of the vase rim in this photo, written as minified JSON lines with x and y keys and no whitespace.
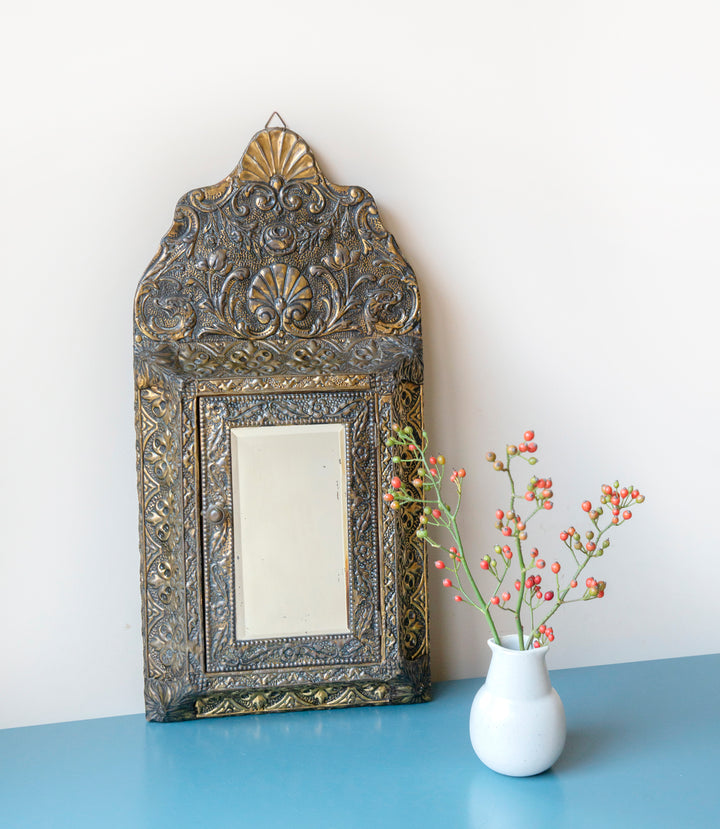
{"x":512,"y":637}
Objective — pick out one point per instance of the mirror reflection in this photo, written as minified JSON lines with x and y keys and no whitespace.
{"x":290,"y":530}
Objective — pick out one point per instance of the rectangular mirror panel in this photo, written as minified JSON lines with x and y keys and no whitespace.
{"x":289,"y":486}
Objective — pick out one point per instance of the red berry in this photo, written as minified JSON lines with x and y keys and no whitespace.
{"x":590,"y":582}
{"x":547,"y":493}
{"x":600,"y":594}
{"x":507,"y":554}
{"x":615,"y":519}
{"x":529,"y":582}
{"x":548,"y":505}
{"x":623,"y":493}
{"x":536,"y":644}
{"x":495,"y":600}
{"x":542,"y":629}
{"x":563,"y":536}
{"x":447,"y":583}
{"x":506,"y":597}
{"x":461,"y":473}
{"x":432,"y":460}
{"x":499,"y":514}
{"x":506,"y":531}
{"x":436,"y":513}
{"x":412,"y":447}
{"x":522,"y":447}
{"x":433,"y":472}
{"x":534,"y":552}
{"x":538,"y":594}
{"x":440,"y":565}
{"x":417,"y":482}
{"x":518,"y":584}
{"x":634,"y":494}
{"x":615,"y":500}
{"x":555,"y":566}
{"x":587,"y":506}
{"x":484,"y":565}
{"x":590,"y":546}
{"x":537,"y":579}
{"x":453,"y":551}
{"x":529,"y":496}
{"x":627,"y":515}
{"x":388,"y":496}
{"x":396,"y":483}
{"x":532,"y":447}
{"x":573,"y":583}
{"x":550,"y":637}
{"x":540,"y":563}
{"x":549,"y":596}
{"x":529,"y":435}
{"x":458,"y":598}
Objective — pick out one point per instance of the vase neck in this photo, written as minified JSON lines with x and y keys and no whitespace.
{"x":518,"y":674}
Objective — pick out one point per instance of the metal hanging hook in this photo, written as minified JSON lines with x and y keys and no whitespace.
{"x":267,"y":123}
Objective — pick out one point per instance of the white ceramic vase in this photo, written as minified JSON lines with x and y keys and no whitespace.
{"x":517,"y":720}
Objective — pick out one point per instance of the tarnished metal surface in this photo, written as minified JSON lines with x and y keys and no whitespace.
{"x":275,"y":298}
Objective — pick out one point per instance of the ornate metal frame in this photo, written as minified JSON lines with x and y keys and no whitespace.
{"x":276,"y":297}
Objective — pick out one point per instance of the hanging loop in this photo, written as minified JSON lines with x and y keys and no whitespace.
{"x":267,"y":123}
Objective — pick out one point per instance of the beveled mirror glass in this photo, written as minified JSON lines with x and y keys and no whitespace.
{"x":277,"y":339}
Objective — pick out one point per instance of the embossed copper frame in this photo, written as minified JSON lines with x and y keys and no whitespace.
{"x":276,"y":297}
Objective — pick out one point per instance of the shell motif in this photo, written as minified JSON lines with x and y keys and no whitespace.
{"x":279,"y":291}
{"x":276,"y":152}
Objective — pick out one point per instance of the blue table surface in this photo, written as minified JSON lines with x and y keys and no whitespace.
{"x":643,"y":750}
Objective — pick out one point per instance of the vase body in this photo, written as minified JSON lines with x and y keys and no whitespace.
{"x":517,"y":720}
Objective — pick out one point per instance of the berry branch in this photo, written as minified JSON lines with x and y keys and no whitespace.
{"x":426,"y":489}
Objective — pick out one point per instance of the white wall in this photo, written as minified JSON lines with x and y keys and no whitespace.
{"x":551,"y":171}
